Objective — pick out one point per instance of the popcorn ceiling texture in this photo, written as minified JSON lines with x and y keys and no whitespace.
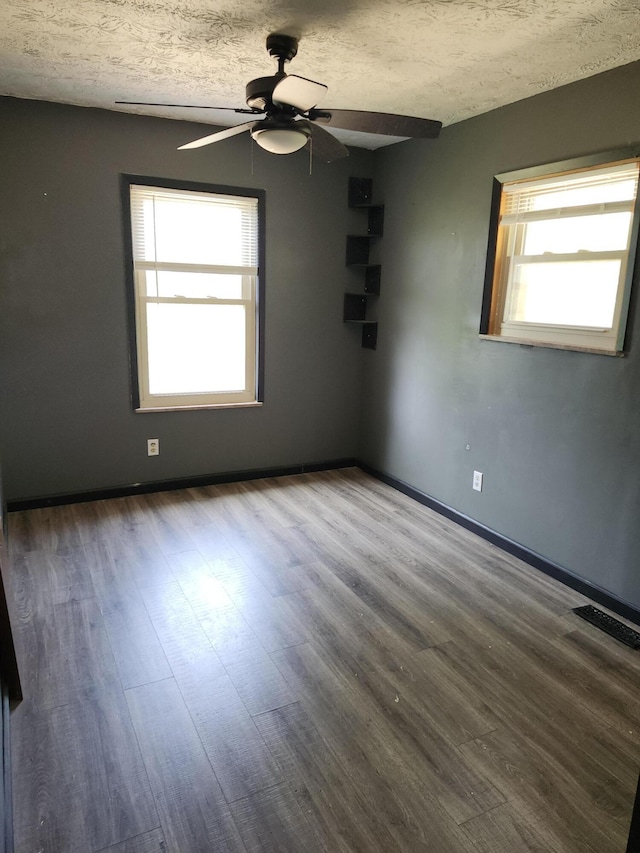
{"x":443,"y":59}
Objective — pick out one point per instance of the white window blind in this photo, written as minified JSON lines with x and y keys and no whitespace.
{"x":199,"y":229}
{"x":610,"y":188}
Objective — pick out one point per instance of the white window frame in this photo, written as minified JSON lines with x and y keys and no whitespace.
{"x":251,"y":299}
{"x":505,"y":242}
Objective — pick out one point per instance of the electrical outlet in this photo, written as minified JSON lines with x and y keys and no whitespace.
{"x":477,"y":481}
{"x":153,"y":447}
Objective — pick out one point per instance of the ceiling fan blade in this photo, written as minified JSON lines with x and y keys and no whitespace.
{"x":384,"y":123}
{"x":298,"y":92}
{"x":217,"y":137}
{"x":191,"y":107}
{"x":325,"y":146}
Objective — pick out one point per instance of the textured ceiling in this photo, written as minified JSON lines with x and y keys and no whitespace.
{"x":442,"y":59}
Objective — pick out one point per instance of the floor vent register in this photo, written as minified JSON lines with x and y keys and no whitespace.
{"x":612,"y":626}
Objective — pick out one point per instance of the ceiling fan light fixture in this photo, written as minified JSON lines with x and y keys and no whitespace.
{"x":281,"y":137}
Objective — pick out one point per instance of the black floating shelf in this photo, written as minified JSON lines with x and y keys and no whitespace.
{"x":375,"y":223}
{"x":372,"y":276}
{"x":370,"y":335}
{"x":357,"y":250}
{"x":360,"y":192}
{"x":357,"y":256}
{"x":355,"y":308}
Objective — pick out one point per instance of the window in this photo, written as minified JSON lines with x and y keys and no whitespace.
{"x":561,"y":257}
{"x":196,"y":295}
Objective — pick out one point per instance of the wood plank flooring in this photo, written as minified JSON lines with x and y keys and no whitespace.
{"x":314,"y":664}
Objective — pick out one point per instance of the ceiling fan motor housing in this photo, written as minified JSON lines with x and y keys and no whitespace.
{"x":260,"y":90}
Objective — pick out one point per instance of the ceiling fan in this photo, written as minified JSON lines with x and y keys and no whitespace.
{"x":291,"y":118}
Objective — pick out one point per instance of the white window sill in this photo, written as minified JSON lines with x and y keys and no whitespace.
{"x":146,"y":409}
{"x":549,"y":345}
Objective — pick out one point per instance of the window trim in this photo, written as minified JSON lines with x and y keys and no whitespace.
{"x":492,"y":306}
{"x":126,"y":181}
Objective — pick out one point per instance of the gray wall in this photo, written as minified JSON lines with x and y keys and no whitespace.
{"x":556,"y":433}
{"x":66,"y":420}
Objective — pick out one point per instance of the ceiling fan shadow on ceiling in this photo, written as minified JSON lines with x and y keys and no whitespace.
{"x":290,"y":118}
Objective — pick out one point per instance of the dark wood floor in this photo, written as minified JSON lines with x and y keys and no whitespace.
{"x":310,"y":663}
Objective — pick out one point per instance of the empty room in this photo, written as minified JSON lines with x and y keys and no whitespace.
{"x":356,"y":570}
